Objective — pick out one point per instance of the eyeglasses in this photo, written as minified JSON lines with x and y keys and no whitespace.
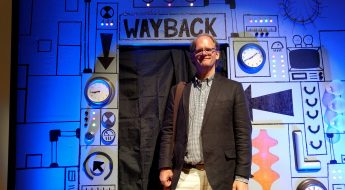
{"x":208,"y":51}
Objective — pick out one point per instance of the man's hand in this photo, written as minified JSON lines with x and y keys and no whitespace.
{"x":239,"y":185}
{"x":165,"y":176}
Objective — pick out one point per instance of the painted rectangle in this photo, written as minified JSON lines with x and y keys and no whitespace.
{"x":314,"y":130}
{"x":25,"y":17}
{"x":299,"y":76}
{"x":34,"y":138}
{"x":274,"y":68}
{"x":91,"y":126}
{"x":169,"y":3}
{"x":108,"y":187}
{"x":33,"y":160}
{"x":106,"y":52}
{"x":90,"y":177}
{"x":22,"y":75}
{"x":172,"y":27}
{"x":332,"y":53}
{"x":110,"y":127}
{"x":336,"y":174}
{"x":339,"y":187}
{"x":69,"y":33}
{"x":260,"y":24}
{"x":44,"y":45}
{"x":40,"y":178}
{"x":71,"y":179}
{"x":53,"y":98}
{"x":69,"y":60}
{"x":71,"y":5}
{"x":304,"y":58}
{"x":274,"y":103}
{"x":261,"y":29}
{"x":107,"y":17}
{"x":21,"y":102}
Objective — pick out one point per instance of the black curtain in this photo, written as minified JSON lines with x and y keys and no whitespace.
{"x":145,"y":78}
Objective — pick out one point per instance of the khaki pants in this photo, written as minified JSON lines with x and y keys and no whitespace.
{"x":193,"y":179}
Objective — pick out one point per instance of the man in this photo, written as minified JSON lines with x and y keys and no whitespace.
{"x":212,"y":144}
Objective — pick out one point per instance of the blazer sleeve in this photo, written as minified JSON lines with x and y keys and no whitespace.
{"x":166,"y":133}
{"x":242,"y":133}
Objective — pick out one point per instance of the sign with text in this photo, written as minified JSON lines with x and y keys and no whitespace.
{"x":172,"y":26}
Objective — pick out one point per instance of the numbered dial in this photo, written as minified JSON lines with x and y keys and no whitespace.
{"x":311,"y":184}
{"x":99,"y":91}
{"x":251,"y":58}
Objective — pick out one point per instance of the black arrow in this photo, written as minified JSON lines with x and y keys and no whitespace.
{"x":97,"y":165}
{"x":279,"y":102}
{"x":106,"y":43}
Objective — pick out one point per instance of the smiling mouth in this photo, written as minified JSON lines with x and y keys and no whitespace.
{"x":205,"y":58}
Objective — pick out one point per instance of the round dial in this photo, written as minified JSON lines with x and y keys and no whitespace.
{"x":108,"y":136}
{"x":251,"y":58}
{"x":302,"y":11}
{"x":99,"y":91}
{"x":311,"y":184}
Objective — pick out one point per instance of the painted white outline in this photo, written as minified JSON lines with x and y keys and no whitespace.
{"x":302,"y":163}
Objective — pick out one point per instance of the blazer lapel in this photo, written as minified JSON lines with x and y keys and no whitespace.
{"x":185,"y":102}
{"x":212,"y":97}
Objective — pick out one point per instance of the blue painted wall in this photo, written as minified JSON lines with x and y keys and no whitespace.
{"x":297,"y":106}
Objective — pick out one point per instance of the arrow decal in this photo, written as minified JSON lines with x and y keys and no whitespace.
{"x":279,"y":102}
{"x":106,"y":43}
{"x":97,"y":165}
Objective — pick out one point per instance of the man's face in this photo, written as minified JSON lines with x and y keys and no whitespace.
{"x":205,"y":54}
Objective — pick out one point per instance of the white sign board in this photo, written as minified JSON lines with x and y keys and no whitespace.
{"x":162,"y":27}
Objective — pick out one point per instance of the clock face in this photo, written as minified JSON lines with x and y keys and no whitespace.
{"x":99,"y":91}
{"x":251,"y":58}
{"x":313,"y":187}
{"x":311,"y":184}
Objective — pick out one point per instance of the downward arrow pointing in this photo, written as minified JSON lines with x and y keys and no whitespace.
{"x":106,"y":43}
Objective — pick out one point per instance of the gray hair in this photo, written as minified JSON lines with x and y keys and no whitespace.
{"x":192,"y":46}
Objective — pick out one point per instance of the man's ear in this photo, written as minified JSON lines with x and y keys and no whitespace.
{"x":218,"y":55}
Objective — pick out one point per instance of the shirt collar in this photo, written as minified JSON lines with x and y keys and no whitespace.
{"x":198,"y":83}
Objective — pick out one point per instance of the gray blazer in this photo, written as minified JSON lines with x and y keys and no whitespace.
{"x":226,"y":134}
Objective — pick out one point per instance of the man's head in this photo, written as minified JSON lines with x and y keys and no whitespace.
{"x":205,"y":53}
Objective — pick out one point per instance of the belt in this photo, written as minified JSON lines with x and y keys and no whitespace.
{"x":196,"y":166}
